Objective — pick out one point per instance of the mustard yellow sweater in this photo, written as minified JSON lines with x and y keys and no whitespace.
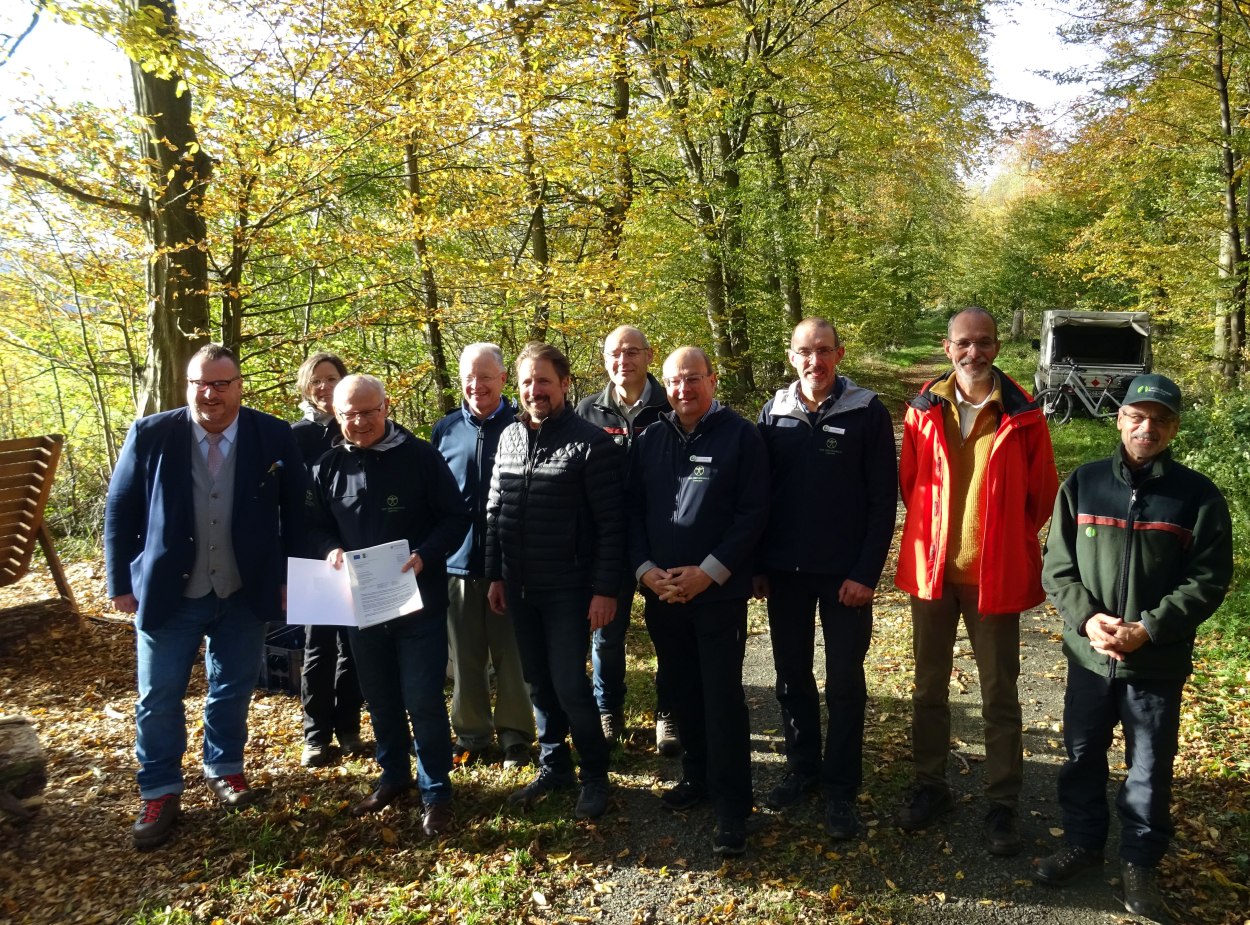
{"x":967,"y":460}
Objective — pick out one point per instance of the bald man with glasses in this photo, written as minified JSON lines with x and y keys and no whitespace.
{"x":977,"y":474}
{"x":632,"y":400}
{"x":698,"y":502}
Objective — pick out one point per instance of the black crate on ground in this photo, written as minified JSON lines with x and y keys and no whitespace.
{"x":283,"y":663}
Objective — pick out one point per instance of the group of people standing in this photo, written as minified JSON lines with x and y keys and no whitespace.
{"x":532,"y":526}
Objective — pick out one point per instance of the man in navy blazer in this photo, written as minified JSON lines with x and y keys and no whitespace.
{"x":205,"y":504}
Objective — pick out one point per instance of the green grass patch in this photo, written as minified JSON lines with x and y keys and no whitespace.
{"x":1081,"y":440}
{"x":1018,"y":360}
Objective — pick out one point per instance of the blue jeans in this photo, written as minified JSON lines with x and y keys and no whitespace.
{"x":401,"y":665}
{"x":1150,"y":712}
{"x":793,"y":600}
{"x":165,"y":654}
{"x":553,"y":635}
{"x":607,"y":655}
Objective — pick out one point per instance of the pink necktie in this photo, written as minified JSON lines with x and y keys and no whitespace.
{"x":215,"y":457}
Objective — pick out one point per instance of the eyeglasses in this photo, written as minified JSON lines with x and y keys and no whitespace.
{"x":808,"y":352}
{"x":318,"y":383}
{"x":469,"y":380}
{"x":689,"y":382}
{"x":626,"y":353}
{"x":985,"y":343}
{"x":217,"y":385}
{"x":361,"y":416}
{"x":1137,"y":419}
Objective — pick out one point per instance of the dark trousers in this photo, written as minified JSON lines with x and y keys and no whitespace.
{"x":1150,"y":713}
{"x":794,"y":599}
{"x":701,"y":647}
{"x":608,"y":659}
{"x":553,"y":637}
{"x":403,"y":664}
{"x":329,"y":689}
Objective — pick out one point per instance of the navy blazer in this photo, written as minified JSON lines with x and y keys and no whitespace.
{"x":149,"y":521}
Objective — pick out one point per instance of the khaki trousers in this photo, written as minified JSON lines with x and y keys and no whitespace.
{"x":996,"y":644}
{"x":478,"y":638}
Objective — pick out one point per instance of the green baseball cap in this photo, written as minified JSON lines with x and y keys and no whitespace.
{"x":1155,"y":388}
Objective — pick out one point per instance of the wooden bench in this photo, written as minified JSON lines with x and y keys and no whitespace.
{"x":27,"y":467}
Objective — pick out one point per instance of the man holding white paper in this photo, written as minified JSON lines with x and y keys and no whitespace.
{"x":381,"y":485}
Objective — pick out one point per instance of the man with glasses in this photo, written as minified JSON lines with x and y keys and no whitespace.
{"x":1139,"y":555}
{"x":978,"y":479}
{"x":698,"y":506}
{"x":831,"y":455}
{"x":468,"y":438}
{"x":205,"y":505}
{"x":379,"y":485}
{"x":632,"y":400}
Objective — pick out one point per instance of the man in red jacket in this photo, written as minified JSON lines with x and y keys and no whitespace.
{"x":978,"y":479}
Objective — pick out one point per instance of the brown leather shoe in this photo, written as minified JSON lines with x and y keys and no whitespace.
{"x":384,"y":796}
{"x":437,"y":820}
{"x":233,"y":790}
{"x":156,"y":822}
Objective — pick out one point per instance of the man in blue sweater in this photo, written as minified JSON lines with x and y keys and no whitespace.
{"x":831,"y":456}
{"x":698,"y":500}
{"x":479,"y":638}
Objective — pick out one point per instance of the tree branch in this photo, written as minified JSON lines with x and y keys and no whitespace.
{"x":13,"y":46}
{"x":31,"y":173}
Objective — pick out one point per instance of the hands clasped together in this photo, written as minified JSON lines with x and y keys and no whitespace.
{"x":678,"y":585}
{"x":1113,"y":637}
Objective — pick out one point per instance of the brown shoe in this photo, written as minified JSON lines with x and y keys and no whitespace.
{"x":384,"y":796}
{"x":156,"y":822}
{"x":437,"y":819}
{"x":233,"y":790}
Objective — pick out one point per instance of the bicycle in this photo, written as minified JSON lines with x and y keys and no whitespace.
{"x":1056,"y":402}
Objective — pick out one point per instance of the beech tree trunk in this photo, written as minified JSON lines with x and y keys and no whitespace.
{"x":784,"y":273}
{"x":177,"y":175}
{"x":430,"y":326}
{"x":1230,"y":321}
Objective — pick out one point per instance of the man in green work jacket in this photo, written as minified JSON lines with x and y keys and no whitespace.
{"x":1139,"y":554}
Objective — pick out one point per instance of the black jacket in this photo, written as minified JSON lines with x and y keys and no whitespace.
{"x":315,"y":435}
{"x":555,"y":517}
{"x":700,"y":499}
{"x":834,"y":485}
{"x":600,"y":410}
{"x":469,"y":447}
{"x":398,"y":489}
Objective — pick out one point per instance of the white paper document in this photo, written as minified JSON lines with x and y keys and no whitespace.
{"x":369,"y":589}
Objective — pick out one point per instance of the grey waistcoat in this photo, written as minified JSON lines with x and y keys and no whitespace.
{"x":215,"y":568}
